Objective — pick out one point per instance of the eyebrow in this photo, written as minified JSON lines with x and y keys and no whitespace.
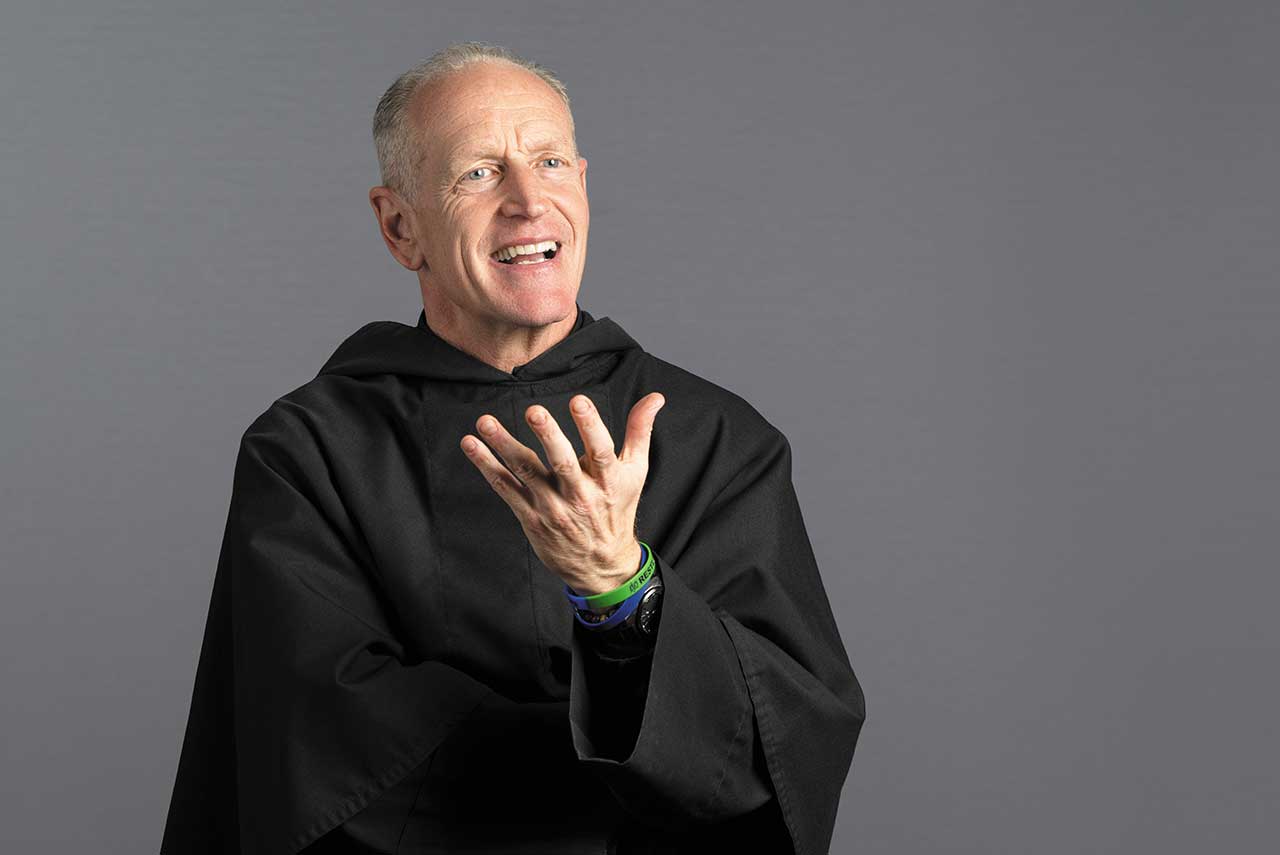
{"x":456,"y":161}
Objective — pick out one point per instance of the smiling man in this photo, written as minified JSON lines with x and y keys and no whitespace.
{"x":493,"y":215}
{"x":474,"y":594}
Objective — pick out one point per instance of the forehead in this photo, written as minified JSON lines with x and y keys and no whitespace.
{"x":486,"y":109}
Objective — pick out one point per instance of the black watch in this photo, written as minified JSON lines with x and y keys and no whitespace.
{"x":636,"y":636}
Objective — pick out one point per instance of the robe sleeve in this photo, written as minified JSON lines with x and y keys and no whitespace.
{"x":750,"y":695}
{"x":306,"y":706}
{"x":613,"y":691}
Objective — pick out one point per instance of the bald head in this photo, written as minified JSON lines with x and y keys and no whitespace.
{"x":398,"y":129}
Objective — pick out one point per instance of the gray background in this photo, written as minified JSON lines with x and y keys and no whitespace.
{"x":1005,"y":274}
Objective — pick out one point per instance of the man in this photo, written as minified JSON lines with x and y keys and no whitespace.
{"x":451,"y":613}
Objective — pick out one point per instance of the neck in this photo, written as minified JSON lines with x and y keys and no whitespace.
{"x":496,"y":341}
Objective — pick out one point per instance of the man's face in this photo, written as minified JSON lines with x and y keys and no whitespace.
{"x":499,"y":169}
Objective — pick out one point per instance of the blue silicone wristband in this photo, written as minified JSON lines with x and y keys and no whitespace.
{"x":625,"y":610}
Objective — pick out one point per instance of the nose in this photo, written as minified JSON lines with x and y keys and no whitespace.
{"x":523,"y":194}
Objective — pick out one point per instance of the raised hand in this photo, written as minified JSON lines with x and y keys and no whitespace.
{"x":579,"y":515}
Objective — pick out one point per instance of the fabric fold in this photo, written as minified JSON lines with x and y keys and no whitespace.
{"x":305,"y":706}
{"x":692,"y":759}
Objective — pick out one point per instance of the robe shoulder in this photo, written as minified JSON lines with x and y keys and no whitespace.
{"x":714,"y":399}
{"x":332,"y":421}
{"x":321,"y":398}
{"x":712,"y":424}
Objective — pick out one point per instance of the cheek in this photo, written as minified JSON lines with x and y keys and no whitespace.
{"x":574,"y":204}
{"x":454,"y":235}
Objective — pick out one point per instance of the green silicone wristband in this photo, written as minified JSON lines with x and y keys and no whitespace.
{"x":627,"y":588}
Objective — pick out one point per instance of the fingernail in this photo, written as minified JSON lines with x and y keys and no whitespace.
{"x":581,"y":405}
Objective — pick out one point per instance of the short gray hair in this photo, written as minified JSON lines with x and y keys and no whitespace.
{"x":394,"y":134}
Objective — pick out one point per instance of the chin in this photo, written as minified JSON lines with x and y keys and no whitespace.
{"x":542,"y":309}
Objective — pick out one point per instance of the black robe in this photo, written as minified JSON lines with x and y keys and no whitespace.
{"x":387,"y":666}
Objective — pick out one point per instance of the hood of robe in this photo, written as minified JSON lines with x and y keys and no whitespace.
{"x":388,"y":347}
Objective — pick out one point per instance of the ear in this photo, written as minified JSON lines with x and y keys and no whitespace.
{"x":396,"y":223}
{"x":582,"y":172}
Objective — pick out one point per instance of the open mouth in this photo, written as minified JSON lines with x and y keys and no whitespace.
{"x":527,"y":254}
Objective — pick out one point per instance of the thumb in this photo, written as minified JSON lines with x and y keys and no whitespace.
{"x":640,"y":426}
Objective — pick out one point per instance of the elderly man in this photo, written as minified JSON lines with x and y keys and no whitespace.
{"x":450,"y":612}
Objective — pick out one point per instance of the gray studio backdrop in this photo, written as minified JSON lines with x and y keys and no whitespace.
{"x":1004,"y":273}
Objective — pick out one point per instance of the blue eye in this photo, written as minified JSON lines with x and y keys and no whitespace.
{"x":556,"y":159}
{"x":477,"y":169}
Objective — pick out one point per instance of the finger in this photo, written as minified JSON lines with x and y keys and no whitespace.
{"x":640,"y":427}
{"x":596,"y":438}
{"x":520,"y":459}
{"x":506,"y":485}
{"x":560,"y":454}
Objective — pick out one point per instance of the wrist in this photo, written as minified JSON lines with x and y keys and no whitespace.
{"x":614,"y":576}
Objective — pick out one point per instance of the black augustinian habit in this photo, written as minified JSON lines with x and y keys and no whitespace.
{"x":387,"y":666}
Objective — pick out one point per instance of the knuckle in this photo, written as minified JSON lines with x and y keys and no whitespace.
{"x":557,"y":521}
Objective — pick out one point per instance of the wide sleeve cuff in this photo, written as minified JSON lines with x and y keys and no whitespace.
{"x":693,"y":759}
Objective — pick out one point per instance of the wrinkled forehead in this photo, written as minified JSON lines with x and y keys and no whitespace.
{"x":467,"y":117}
{"x":511,"y":132}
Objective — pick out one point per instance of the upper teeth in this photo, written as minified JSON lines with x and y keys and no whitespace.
{"x":509,"y":252}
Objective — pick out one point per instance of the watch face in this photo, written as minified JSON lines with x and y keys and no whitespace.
{"x":647,"y":611}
